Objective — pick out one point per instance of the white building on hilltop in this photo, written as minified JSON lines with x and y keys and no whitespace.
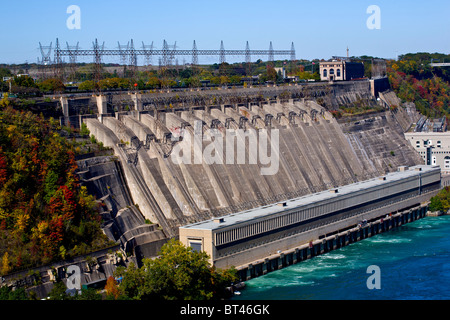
{"x":432,"y":142}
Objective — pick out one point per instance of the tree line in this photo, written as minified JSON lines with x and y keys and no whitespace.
{"x":415,"y":80}
{"x":164,"y":77}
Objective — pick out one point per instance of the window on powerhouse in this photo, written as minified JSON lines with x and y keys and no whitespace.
{"x":195,"y":244}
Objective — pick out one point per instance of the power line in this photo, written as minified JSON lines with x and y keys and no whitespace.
{"x":167,"y":55}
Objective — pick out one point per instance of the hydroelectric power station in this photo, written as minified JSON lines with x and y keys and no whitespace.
{"x":330,"y":173}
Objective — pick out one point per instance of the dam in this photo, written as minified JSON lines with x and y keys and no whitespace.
{"x":315,"y":152}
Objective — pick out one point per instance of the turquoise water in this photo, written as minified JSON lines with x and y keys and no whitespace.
{"x":414,"y":262}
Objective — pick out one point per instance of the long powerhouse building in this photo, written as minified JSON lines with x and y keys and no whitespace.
{"x":241,"y":238}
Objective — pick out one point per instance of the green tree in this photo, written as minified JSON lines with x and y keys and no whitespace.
{"x":193,"y":82}
{"x":179,"y":273}
{"x":6,"y":293}
{"x":224,"y":80}
{"x":24,"y":81}
{"x":18,"y":294}
{"x":154,"y":83}
{"x":51,"y":85}
{"x":235,"y":79}
{"x":271,"y":73}
{"x":84,"y":131}
{"x":5,"y":72}
{"x":441,"y":201}
{"x":58,"y":292}
{"x":89,"y":294}
{"x":435,"y":204}
{"x":133,"y":285}
{"x":5,"y":101}
{"x":87,"y":85}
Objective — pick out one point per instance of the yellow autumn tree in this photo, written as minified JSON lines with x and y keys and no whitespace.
{"x":111,"y":288}
{"x":6,"y":268}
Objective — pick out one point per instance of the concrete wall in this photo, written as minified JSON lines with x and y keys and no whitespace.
{"x":378,"y":142}
{"x":102,"y":133}
{"x":141,"y":130}
{"x":379,"y":85}
{"x":136,"y":185}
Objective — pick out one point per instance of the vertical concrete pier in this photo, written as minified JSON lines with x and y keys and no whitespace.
{"x":65,"y":106}
{"x":137,"y":100}
{"x":101,"y":104}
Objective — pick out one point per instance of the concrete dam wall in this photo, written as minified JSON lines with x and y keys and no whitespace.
{"x":122,"y":220}
{"x":378,"y":140}
{"x":179,"y":170}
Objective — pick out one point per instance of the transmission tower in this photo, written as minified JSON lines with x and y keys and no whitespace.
{"x":271,"y":57}
{"x":148,"y":51}
{"x":292,"y":52}
{"x":248,"y":59}
{"x":172,"y":54}
{"x":222,"y":60}
{"x":97,"y":60}
{"x":123,"y":49}
{"x":194,"y":57}
{"x":72,"y":59}
{"x":128,"y":55}
{"x":45,"y":60}
{"x":165,"y":54}
{"x":222,"y":53}
{"x":292,"y":58}
{"x":133,"y":60}
{"x":168,"y":53}
{"x":58,"y":63}
{"x":45,"y":52}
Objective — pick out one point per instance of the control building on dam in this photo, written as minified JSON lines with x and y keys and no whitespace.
{"x":315,"y":152}
{"x":244,"y":237}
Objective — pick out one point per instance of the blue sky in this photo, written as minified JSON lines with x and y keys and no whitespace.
{"x":319,"y":29}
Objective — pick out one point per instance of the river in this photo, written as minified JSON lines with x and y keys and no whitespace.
{"x":413,"y":264}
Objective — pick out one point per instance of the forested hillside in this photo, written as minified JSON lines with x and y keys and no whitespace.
{"x":414,"y":80}
{"x":44,"y":213}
